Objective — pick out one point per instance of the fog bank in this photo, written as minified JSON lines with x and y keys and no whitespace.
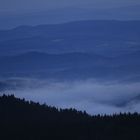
{"x":94,"y":97}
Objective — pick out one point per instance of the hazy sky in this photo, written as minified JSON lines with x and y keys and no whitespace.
{"x":21,"y":6}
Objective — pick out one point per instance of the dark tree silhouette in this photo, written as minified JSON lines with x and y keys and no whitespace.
{"x":23,"y":120}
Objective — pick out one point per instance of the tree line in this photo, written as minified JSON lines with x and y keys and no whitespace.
{"x":23,"y":120}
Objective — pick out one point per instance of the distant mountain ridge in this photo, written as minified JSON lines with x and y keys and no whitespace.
{"x":99,"y":36}
{"x":80,"y":49}
{"x":70,"y":65}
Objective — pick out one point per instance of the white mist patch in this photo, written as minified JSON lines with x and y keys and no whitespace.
{"x":94,"y":97}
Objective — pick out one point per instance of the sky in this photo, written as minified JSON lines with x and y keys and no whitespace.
{"x":22,"y":6}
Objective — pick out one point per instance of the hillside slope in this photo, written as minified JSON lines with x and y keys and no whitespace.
{"x":24,"y":120}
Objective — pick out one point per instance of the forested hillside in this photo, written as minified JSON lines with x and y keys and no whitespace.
{"x":22,"y":120}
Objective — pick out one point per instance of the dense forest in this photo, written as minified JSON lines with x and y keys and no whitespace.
{"x":22,"y":120}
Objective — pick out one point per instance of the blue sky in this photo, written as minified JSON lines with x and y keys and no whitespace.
{"x":22,"y":6}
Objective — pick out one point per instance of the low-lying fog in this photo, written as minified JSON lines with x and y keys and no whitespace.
{"x":90,"y":95}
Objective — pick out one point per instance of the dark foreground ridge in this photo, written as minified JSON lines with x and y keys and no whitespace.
{"x":22,"y":120}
